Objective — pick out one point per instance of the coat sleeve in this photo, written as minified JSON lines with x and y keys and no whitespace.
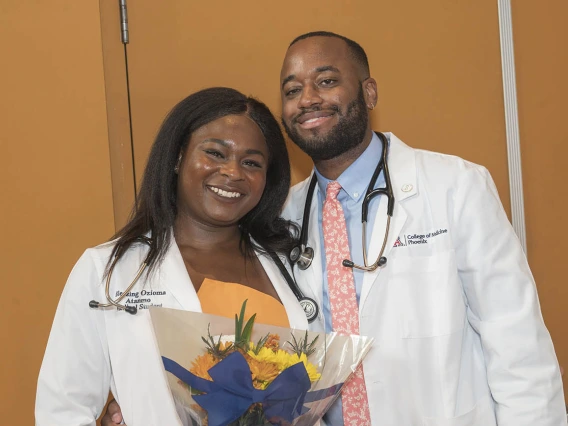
{"x":75,"y":375}
{"x":503,"y":307}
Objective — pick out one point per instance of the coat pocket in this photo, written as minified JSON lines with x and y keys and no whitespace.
{"x":432,"y":301}
{"x":483,"y":414}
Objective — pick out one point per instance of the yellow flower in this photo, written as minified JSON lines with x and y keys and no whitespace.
{"x":202,"y":364}
{"x":282,"y":360}
{"x":264,"y":354}
{"x":263,"y":373}
{"x":310,"y":368}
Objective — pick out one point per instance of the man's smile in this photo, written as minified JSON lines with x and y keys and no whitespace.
{"x":310,"y":120}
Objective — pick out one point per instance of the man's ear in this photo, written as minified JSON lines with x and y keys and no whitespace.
{"x":370,"y":92}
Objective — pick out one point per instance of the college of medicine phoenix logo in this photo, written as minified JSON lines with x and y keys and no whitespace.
{"x":419,"y":238}
{"x":398,"y":243}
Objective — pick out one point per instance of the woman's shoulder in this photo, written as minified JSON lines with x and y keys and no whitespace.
{"x":105,"y":250}
{"x":94,"y":260}
{"x":102,"y":250}
{"x":98,"y":254}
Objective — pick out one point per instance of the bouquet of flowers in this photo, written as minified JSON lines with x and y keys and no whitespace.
{"x":238,"y":373}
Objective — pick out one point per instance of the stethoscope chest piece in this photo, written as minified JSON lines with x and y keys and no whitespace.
{"x":302,"y":258}
{"x":310,"y":308}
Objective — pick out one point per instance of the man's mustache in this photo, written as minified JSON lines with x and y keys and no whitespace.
{"x":304,"y":111}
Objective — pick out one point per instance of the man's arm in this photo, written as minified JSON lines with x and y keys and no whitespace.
{"x":503,"y":307}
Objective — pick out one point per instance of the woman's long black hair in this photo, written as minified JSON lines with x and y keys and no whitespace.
{"x":156,"y":206}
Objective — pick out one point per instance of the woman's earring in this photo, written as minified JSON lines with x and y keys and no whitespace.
{"x":176,"y":168}
{"x":372,"y":107}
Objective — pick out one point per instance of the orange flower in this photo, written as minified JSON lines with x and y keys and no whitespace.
{"x":263,"y":373}
{"x":202,"y":364}
{"x":273,"y":342}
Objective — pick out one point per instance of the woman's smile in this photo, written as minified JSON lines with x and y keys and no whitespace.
{"x":224,"y":194}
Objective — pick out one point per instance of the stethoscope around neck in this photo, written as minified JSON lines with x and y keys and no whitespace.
{"x":116,"y":302}
{"x":302,"y":255}
{"x":309,"y":305}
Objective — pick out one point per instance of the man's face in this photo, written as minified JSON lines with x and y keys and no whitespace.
{"x":324,"y":105}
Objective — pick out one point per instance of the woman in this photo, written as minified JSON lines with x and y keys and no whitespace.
{"x":216,"y":179}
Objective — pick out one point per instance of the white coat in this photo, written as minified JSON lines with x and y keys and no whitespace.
{"x":91,"y":351}
{"x":459,"y":335}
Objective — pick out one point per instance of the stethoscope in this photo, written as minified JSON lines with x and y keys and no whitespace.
{"x":302,"y":255}
{"x":116,"y":302}
{"x":309,"y":305}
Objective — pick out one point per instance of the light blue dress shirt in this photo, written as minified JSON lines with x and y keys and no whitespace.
{"x":354,"y":182}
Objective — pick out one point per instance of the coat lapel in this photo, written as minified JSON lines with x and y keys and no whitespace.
{"x":402,"y":168}
{"x":174,"y":276}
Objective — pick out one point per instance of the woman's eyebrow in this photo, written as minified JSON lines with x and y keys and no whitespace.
{"x":255,"y":151}
{"x":226,"y":144}
{"x":216,"y":140}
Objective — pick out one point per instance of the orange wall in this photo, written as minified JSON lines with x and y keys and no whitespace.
{"x":541,"y":56}
{"x":55,"y":170}
{"x":437,"y":66}
{"x":55,"y":187}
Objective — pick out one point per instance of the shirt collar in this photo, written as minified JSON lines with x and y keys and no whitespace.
{"x":355,"y":179}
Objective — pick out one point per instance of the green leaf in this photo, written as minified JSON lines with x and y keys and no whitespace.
{"x":247,"y":332}
{"x":239,"y":322}
{"x":302,"y":345}
{"x":237,"y":328}
{"x":260,"y":344}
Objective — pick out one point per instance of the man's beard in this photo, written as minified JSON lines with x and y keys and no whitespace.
{"x":348,"y":133}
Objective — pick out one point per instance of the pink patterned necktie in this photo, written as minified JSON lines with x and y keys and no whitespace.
{"x":343,"y":302}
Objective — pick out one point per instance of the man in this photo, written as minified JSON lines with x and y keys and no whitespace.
{"x":459,"y":336}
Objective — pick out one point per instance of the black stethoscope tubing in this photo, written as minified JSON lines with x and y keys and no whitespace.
{"x":372,"y":191}
{"x":309,"y":305}
{"x":302,"y":255}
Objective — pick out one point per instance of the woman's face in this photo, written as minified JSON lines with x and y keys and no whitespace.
{"x":223,"y":171}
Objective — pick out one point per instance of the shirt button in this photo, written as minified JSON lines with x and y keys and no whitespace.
{"x":406,"y":187}
{"x":355,"y":194}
